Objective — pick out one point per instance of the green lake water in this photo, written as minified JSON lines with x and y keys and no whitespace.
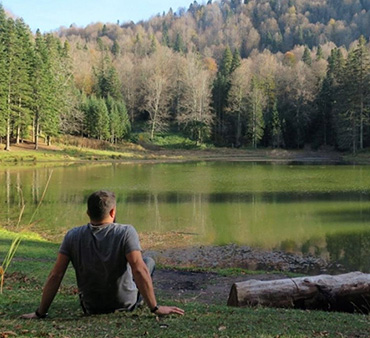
{"x":319,"y":209}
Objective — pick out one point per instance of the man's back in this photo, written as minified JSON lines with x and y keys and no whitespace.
{"x":98,"y":254}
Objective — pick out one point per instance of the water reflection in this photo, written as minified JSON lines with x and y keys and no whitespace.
{"x":249,"y":197}
{"x":286,"y":207}
{"x":351,"y":250}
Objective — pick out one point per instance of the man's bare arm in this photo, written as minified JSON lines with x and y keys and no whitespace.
{"x":145,"y":284}
{"x":51,"y":287}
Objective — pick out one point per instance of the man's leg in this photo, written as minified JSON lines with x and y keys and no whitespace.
{"x":149,"y":262}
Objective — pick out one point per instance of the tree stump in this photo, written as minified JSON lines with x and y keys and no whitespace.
{"x":348,"y":292}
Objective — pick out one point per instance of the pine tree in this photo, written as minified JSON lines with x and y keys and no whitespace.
{"x":116,"y":49}
{"x":124,"y":127}
{"x":107,"y":81}
{"x":179,"y":44}
{"x":236,"y":60}
{"x":277,"y":136}
{"x":96,"y":118}
{"x":22,"y":100}
{"x":306,"y":58}
{"x":353,"y":95}
{"x":326,"y":122}
{"x":221,"y":87}
{"x":319,"y":53}
{"x":41,"y":91}
{"x":256,"y":103}
{"x":10,"y":44}
{"x":3,"y":72}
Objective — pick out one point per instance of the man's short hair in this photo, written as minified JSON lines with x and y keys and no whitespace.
{"x":100,"y":203}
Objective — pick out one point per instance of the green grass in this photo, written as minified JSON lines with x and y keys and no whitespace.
{"x":35,"y":257}
{"x":169,"y":140}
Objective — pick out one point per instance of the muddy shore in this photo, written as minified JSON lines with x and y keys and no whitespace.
{"x":213,"y":288}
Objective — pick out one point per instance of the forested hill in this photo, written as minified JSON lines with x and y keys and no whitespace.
{"x":279,"y":73}
{"x":276,"y":25}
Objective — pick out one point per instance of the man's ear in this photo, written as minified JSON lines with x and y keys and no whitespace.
{"x":112,"y":213}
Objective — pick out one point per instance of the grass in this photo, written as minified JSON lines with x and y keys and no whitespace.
{"x":35,"y":257}
{"x":74,"y":149}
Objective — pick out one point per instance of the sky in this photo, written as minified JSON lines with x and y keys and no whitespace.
{"x":48,"y":15}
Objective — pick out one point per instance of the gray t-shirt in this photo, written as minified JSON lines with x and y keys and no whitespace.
{"x":98,"y":254}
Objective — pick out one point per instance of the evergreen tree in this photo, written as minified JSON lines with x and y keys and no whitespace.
{"x":277,"y":136}
{"x":353,"y":96}
{"x":114,"y":119}
{"x":3,"y":72}
{"x":96,"y":118}
{"x":179,"y":44}
{"x":319,"y":53}
{"x":116,"y":49}
{"x":22,"y":100}
{"x":236,"y":60}
{"x":10,"y":44}
{"x":221,"y":87}
{"x":256,"y":103}
{"x":124,"y":127}
{"x":107,"y":81}
{"x":41,"y":89}
{"x":306,"y":58}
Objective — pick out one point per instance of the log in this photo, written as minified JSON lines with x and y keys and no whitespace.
{"x":347,"y":292}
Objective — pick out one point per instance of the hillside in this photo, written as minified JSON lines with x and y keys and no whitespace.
{"x":279,"y":73}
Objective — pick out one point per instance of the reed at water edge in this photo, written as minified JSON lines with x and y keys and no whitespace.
{"x":18,"y":239}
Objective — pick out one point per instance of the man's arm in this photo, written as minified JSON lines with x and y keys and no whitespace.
{"x":145,"y":284}
{"x":51,"y":287}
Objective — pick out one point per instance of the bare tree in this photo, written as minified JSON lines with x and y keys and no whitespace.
{"x":195,"y":113}
{"x":238,"y":97}
{"x":156,"y":87}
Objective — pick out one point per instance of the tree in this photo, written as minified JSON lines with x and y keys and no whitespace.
{"x":277,"y":135}
{"x":221,"y":87}
{"x":353,"y":97}
{"x":326,"y":125}
{"x":156,"y":90}
{"x":116,"y":49}
{"x":107,"y":80}
{"x":195,"y":115}
{"x":238,"y":100}
{"x":256,"y":104}
{"x":119,"y":124}
{"x":96,"y":118}
{"x":3,"y":72}
{"x":179,"y":44}
{"x":10,"y":44}
{"x":319,"y":53}
{"x":23,"y":89}
{"x":306,"y":58}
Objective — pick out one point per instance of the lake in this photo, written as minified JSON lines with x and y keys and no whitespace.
{"x":319,"y":209}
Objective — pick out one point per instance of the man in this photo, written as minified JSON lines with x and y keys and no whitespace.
{"x":111,"y":273}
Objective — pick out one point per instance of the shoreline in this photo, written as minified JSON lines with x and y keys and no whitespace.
{"x":24,"y":154}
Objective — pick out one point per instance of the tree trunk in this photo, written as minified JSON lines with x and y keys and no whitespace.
{"x":7,"y":145}
{"x":36,"y":133}
{"x":348,"y":292}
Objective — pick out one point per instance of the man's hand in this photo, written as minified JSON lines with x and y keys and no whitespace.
{"x":168,"y":310}
{"x":30,"y":316}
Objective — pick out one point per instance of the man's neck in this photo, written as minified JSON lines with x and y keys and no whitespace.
{"x":100,"y":223}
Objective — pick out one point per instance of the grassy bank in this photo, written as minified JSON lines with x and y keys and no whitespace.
{"x":34,"y":258}
{"x":70,"y":149}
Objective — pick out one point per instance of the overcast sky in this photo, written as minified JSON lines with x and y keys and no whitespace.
{"x":49,"y":15}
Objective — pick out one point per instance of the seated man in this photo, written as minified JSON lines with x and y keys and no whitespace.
{"x":111,"y":273}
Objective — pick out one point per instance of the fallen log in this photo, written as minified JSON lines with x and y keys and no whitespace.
{"x":348,"y":292}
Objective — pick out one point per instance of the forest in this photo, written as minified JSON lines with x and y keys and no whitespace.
{"x":252,"y":73}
